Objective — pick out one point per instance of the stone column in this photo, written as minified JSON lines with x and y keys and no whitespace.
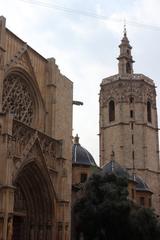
{"x":6,"y":206}
{"x":1,"y":227}
{"x":52,"y":73}
{"x":6,"y":188}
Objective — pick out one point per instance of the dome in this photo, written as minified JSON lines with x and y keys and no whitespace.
{"x":80,"y":155}
{"x":116,"y":168}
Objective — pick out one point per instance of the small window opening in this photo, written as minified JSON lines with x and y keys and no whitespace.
{"x":128,"y":68}
{"x":149,"y":115}
{"x":142,"y":202}
{"x":83,"y":177}
{"x":128,"y":52}
{"x":111,"y":111}
{"x":131,"y":113}
{"x":133,"y":155}
{"x":132,"y":126}
{"x":132,"y":139}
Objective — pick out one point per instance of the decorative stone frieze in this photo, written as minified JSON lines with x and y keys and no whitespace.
{"x":122,"y":90}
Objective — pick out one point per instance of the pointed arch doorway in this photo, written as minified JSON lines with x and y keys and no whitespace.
{"x":33,"y":206}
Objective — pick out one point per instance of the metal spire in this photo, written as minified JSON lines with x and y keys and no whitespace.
{"x":125,"y":30}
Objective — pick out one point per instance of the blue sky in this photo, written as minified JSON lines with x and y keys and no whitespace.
{"x":85,"y":48}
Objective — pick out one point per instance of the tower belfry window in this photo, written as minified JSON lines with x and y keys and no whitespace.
{"x":128,"y":68}
{"x":111,"y":111}
{"x":125,"y":64}
{"x":149,"y":114}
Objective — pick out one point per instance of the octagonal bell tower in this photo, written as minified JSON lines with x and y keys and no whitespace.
{"x":128,"y":121}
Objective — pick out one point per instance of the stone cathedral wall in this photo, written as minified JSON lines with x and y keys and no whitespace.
{"x":35,"y":133}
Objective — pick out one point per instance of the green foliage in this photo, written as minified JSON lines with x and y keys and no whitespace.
{"x":104,"y":212}
{"x":144,"y":224}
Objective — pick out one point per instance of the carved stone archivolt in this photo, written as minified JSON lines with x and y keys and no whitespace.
{"x":49,"y":148}
{"x":121,"y":91}
{"x":20,"y":145}
{"x":34,"y":203}
{"x":17,"y":99}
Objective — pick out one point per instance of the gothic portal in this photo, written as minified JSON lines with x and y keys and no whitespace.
{"x":128,"y":122}
{"x":35,"y":143}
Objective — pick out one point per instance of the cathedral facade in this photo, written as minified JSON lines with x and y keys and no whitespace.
{"x":128,"y":123}
{"x":35,"y":143}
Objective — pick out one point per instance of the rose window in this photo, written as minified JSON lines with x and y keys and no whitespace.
{"x":17,"y":99}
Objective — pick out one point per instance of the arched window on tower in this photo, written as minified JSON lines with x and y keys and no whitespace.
{"x":128,"y":68}
{"x":149,"y":114}
{"x":128,"y":52}
{"x":111,"y":111}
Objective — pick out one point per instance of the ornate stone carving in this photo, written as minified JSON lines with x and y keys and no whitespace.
{"x":20,"y":145}
{"x":16,"y":58}
{"x":50,"y":148}
{"x":21,"y":136}
{"x":121,"y":91}
{"x":17,"y":99}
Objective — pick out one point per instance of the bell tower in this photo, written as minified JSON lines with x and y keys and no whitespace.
{"x":128,"y":121}
{"x":125,"y":65}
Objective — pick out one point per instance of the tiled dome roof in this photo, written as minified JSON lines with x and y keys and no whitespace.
{"x":141,"y":185}
{"x":116,"y":168}
{"x":80,"y":155}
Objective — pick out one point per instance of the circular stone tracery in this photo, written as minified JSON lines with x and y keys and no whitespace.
{"x":17,"y":99}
